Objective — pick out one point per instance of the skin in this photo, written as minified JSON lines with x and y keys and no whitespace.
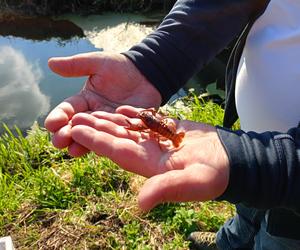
{"x":95,"y":120}
{"x":112,"y":81}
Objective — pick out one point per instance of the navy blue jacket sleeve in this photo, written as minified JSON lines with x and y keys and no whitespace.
{"x":264,"y":168}
{"x":191,"y":35}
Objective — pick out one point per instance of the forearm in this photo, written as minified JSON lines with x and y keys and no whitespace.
{"x":264,"y":168}
{"x":191,"y":35}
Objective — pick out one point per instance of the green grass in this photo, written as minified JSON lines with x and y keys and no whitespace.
{"x":49,"y":200}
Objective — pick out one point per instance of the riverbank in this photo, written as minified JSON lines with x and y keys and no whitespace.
{"x":37,"y":28}
{"x":43,"y":22}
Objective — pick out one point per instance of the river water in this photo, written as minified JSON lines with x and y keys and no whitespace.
{"x":28,"y":89}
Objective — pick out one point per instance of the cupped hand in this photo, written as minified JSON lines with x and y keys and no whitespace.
{"x":197,"y":170}
{"x":113,"y":80}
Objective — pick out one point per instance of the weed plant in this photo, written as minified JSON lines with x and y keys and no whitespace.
{"x":49,"y":200}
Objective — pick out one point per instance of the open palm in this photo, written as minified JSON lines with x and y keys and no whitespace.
{"x":112,"y":81}
{"x":196,"y":170}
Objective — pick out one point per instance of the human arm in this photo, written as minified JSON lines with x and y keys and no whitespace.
{"x":264,"y":168}
{"x":191,"y":35}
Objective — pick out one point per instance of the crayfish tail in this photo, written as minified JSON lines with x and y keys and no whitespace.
{"x":178,"y":139}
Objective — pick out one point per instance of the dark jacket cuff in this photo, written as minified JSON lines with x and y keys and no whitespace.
{"x":264,"y":168}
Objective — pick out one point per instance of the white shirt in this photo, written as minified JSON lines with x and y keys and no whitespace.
{"x":268,"y":79}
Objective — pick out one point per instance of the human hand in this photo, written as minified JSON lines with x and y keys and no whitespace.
{"x":197,"y":170}
{"x":113,"y":80}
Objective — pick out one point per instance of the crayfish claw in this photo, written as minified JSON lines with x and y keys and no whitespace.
{"x":134,"y":127}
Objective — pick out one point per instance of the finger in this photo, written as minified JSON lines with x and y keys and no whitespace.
{"x":62,"y":138}
{"x":77,"y":150}
{"x":105,"y":126}
{"x":113,"y":117}
{"x":125,"y":152}
{"x":75,"y":66}
{"x":61,"y":114}
{"x":129,"y":111}
{"x":190,"y":184}
{"x":132,"y":124}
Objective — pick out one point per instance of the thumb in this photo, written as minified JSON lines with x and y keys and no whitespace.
{"x":75,"y":66}
{"x":196,"y":183}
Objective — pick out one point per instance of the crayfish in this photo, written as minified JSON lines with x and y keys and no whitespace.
{"x":159,"y":126}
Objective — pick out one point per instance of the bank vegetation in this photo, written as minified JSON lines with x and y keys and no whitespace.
{"x":86,"y":7}
{"x":49,"y":200}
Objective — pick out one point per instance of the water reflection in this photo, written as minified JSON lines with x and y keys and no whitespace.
{"x":113,"y":32}
{"x":38,"y":28}
{"x":28,"y":89}
{"x":21,"y":100}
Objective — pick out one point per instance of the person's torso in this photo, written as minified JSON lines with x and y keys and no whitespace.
{"x":268,"y":79}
